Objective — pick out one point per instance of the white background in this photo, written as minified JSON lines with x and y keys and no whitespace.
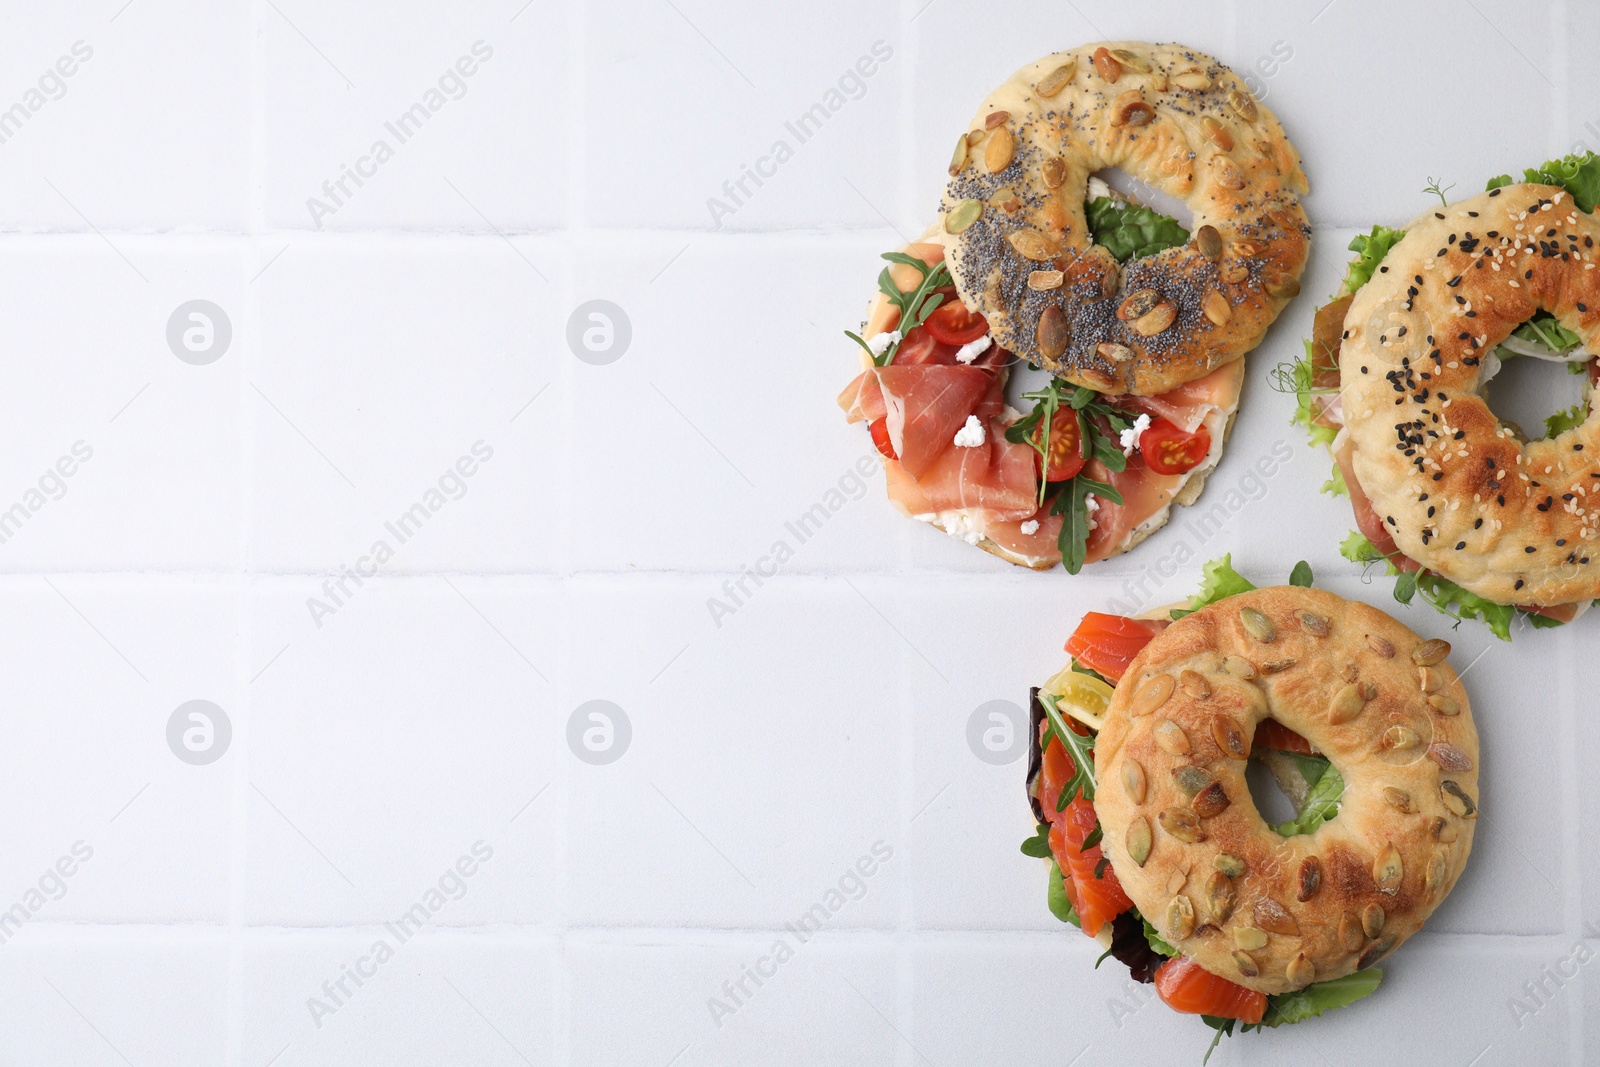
{"x":768,"y":753}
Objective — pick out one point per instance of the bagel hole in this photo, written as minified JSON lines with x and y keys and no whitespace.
{"x":1270,"y":800}
{"x":1131,"y":188}
{"x":1525,"y":392}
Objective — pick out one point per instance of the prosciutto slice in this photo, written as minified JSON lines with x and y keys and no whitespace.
{"x":1187,"y":406}
{"x":926,"y":404}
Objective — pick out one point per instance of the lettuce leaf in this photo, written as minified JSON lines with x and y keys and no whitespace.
{"x":1157,"y":942}
{"x":1562,"y":421}
{"x":1543,"y":330}
{"x":1578,"y":174}
{"x":1129,"y":231}
{"x":1296,"y":377}
{"x":1319,"y":997}
{"x":1335,"y":486}
{"x":1038,"y":846}
{"x":1219,"y":580}
{"x":1322,"y":803}
{"x":1060,"y":903}
{"x":1370,"y":248}
{"x":1446,"y":596}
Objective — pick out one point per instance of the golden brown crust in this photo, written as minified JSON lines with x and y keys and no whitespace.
{"x":1309,"y":904}
{"x":1186,"y":125}
{"x":1516,"y":522}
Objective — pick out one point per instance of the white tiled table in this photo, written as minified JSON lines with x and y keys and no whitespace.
{"x":382,"y":733}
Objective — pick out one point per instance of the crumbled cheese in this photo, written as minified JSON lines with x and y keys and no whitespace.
{"x":1129,"y":438}
{"x":1091,"y":505}
{"x":1030,"y":527}
{"x":972,"y":350}
{"x":879,"y":343}
{"x":971,"y":435}
{"x":1098,"y":188}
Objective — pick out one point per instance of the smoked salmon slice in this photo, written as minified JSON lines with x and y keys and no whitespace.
{"x":1185,"y":986}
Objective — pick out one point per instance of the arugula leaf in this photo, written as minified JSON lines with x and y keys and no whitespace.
{"x":1370,"y":249}
{"x":1447,"y":597}
{"x":1301,"y":575}
{"x":1072,"y":504}
{"x":1322,"y":804}
{"x":1129,"y":231}
{"x":1038,"y":846}
{"x":1078,"y":747}
{"x":1319,"y":997}
{"x":1578,"y":174}
{"x":915,"y":304}
{"x":1562,"y":421}
{"x":1060,"y":903}
{"x":1218,"y":581}
{"x":1544,"y":330}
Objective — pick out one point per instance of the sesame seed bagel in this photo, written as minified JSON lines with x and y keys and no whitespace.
{"x":1464,"y":494}
{"x":1022,"y":251}
{"x":1269,"y":912}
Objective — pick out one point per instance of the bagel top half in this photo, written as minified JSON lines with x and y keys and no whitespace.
{"x":1462,"y":493}
{"x":1182,"y":123}
{"x":1189,"y":846}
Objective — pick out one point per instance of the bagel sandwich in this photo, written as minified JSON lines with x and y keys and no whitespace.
{"x":1155,"y":845}
{"x":1479,"y":517}
{"x":1139,"y":324}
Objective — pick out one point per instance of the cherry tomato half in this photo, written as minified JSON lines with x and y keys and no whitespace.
{"x":1169,"y":450}
{"x":1066,"y":452}
{"x":880,"y":437}
{"x":921,"y":346}
{"x":953,"y":324}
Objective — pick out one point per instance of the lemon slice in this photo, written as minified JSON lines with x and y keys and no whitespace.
{"x":1082,"y":696}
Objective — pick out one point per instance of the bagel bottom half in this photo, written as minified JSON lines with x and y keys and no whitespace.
{"x":1185,"y":839}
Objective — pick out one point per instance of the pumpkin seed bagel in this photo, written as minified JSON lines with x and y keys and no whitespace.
{"x":1275,"y":913}
{"x":1462,"y":493}
{"x":1022,"y":252}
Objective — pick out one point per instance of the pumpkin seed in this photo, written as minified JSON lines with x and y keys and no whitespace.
{"x":974,"y":136}
{"x":1151,"y":695}
{"x":995,"y":118}
{"x":1209,"y":241}
{"x":1055,"y":172}
{"x":1232,"y":866}
{"x":1131,"y":109}
{"x":1112,"y":352}
{"x":1191,"y":779}
{"x":1193,"y":79}
{"x":1216,"y":308}
{"x":1310,"y":879}
{"x":1216,"y":133}
{"x":1110,"y":280}
{"x":1372,"y":920}
{"x":1138,"y":303}
{"x":1239,"y":667}
{"x":963,"y":215}
{"x":1031,"y":244}
{"x":1057,"y":79}
{"x":1397,"y":738}
{"x":1235,"y":274}
{"x":1350,"y":933}
{"x":1005,"y":199}
{"x":1449,"y":757}
{"x":1275,"y":918}
{"x":1276,"y":666}
{"x":1443,"y":830}
{"x":1210,"y":801}
{"x":1051,"y":334}
{"x":1313,"y":624}
{"x":1301,"y":972}
{"x":1171,"y":739}
{"x":1229,"y":176}
{"x":1045,"y":280}
{"x":1387,"y":870}
{"x":1155,"y":320}
{"x":1347,"y":704}
{"x":1248,"y":937}
{"x":958,"y":158}
{"x":1444,"y":705}
{"x":1132,"y":60}
{"x":1456,"y":799}
{"x":1181,"y":824}
{"x":1137,"y":840}
{"x":1382,"y":646}
{"x":1430,"y":652}
{"x":1243,"y":104}
{"x":1375,"y":952}
{"x":1429,"y":679}
{"x":1176,"y":879}
{"x":1134,"y":782}
{"x":1246,"y":965}
{"x":1433,"y":878}
{"x":1221,"y":896}
{"x":1257,"y":625}
{"x":1180,"y":918}
{"x":1399,"y":800}
{"x":1106,"y":65}
{"x":1229,"y":737}
{"x":997,"y":154}
{"x":1351,"y":672}
{"x":1194,"y":685}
